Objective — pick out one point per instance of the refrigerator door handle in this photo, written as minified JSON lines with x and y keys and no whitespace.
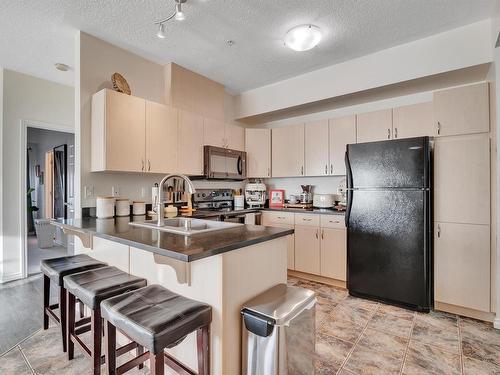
{"x":348,"y":208}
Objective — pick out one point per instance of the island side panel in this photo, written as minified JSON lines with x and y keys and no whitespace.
{"x":110,"y":252}
{"x":247,"y":272}
{"x":206,"y":286}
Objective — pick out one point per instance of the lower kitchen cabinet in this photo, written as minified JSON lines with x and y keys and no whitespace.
{"x":307,"y":249}
{"x":333,"y":253}
{"x":274,"y":219}
{"x":462,"y":265}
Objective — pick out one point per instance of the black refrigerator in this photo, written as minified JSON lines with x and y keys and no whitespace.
{"x":389,"y":222}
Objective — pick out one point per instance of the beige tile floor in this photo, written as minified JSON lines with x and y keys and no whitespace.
{"x":353,"y":336}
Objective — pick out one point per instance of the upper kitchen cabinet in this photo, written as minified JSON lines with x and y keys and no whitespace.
{"x":374,"y":126}
{"x":288,"y":151}
{"x":462,"y":179}
{"x":316,"y":148}
{"x":214,"y":132}
{"x":416,"y":120}
{"x":220,"y":134}
{"x":462,"y":110}
{"x":118,"y":132}
{"x":161,"y":138}
{"x":342,"y":133}
{"x":258,"y":149}
{"x":235,"y":137}
{"x":190,"y":143}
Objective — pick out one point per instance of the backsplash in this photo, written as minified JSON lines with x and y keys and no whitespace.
{"x":291,"y":185}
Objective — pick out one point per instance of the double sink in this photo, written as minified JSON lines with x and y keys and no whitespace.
{"x":185,"y":226}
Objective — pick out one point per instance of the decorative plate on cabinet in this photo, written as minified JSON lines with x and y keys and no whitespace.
{"x":120,"y":84}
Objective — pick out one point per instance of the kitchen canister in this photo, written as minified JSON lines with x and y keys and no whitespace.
{"x":105,"y":207}
{"x":239,"y":201}
{"x":138,"y":208}
{"x":122,"y":207}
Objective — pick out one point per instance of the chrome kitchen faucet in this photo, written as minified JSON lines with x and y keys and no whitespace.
{"x":190,"y":190}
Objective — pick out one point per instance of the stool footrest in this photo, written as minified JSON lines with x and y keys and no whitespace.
{"x":132,"y":363}
{"x":52,"y":315}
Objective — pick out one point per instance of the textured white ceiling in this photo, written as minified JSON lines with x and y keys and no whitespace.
{"x":34,"y":34}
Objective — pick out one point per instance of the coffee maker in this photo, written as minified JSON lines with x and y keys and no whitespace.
{"x":255,"y":194}
{"x":306,"y":195}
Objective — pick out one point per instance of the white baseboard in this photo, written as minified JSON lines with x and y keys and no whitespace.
{"x":12,"y":277}
{"x":496,"y":322}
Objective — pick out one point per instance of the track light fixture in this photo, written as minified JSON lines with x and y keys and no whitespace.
{"x":177,"y":15}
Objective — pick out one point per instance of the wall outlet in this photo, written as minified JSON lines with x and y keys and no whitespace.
{"x":88,"y":191}
{"x":115,"y":191}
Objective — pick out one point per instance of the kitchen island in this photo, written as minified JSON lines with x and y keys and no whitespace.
{"x":223,"y":268}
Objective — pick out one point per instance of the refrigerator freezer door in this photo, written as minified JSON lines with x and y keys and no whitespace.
{"x":399,"y":163}
{"x":388,"y":246}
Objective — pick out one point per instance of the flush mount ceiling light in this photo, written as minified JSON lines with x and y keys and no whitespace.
{"x":177,"y":15}
{"x":303,"y":37}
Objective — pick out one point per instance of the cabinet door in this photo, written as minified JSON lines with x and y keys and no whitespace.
{"x":462,"y":179}
{"x":214,"y":132}
{"x":190,"y":145}
{"x":416,"y":120}
{"x":316,"y":148}
{"x":333,"y":253}
{"x":307,"y":249}
{"x":288,"y":151}
{"x":374,"y":126}
{"x":125,"y":132}
{"x":342,"y":133}
{"x":290,"y":244}
{"x":235,"y":137}
{"x":462,"y":265}
{"x":462,"y":110}
{"x":161,"y":138}
{"x":258,"y":149}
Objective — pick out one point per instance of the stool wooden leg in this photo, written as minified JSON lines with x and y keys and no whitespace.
{"x":70,"y":324}
{"x":46,"y":301}
{"x":156,"y":363}
{"x":139,"y":351}
{"x":96,"y":329}
{"x":81,"y":308}
{"x":203,"y":348}
{"x":62,"y":311}
{"x":110,"y":348}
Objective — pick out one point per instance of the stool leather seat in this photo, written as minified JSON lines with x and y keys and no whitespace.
{"x":95,"y":285}
{"x":155,"y":317}
{"x":57,"y":268}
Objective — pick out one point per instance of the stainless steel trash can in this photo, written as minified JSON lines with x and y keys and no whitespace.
{"x":278,"y":332}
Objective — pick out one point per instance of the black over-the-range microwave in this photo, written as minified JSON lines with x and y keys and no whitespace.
{"x":224,"y":164}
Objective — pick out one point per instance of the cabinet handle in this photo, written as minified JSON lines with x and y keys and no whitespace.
{"x":304,"y":219}
{"x":317,"y":234}
{"x":439,"y":128}
{"x":331,"y":168}
{"x":280,"y":217}
{"x":322,"y":234}
{"x":326,"y":168}
{"x":268,"y":172}
{"x":395,"y":132}
{"x":302,"y":170}
{"x":149,"y":165}
{"x":439,"y":231}
{"x":142,"y":164}
{"x":388,"y":133}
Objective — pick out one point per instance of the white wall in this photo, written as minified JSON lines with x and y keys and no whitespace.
{"x":1,"y":173}
{"x":24,"y":98}
{"x":459,"y":48}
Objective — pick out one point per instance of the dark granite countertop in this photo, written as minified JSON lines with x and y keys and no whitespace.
{"x":184,"y":248}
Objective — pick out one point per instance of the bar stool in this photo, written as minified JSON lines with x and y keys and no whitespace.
{"x":157,"y":319}
{"x":91,"y":287}
{"x":54,"y":270}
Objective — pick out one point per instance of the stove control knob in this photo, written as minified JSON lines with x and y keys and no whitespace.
{"x":203,"y":195}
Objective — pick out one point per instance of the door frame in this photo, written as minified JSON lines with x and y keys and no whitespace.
{"x":24,"y":125}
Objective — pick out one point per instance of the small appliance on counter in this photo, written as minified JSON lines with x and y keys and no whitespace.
{"x":323,"y":200}
{"x":306,"y":195}
{"x":341,"y":195}
{"x":255,"y":194}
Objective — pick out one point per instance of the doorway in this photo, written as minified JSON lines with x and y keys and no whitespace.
{"x":49,"y":194}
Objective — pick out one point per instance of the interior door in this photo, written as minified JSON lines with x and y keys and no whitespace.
{"x":388,"y":242}
{"x":48,"y":184}
{"x":60,"y":182}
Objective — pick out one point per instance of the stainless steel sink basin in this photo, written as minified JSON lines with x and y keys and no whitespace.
{"x":185,"y":226}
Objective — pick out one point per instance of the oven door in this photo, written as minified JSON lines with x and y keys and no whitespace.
{"x":222,"y":163}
